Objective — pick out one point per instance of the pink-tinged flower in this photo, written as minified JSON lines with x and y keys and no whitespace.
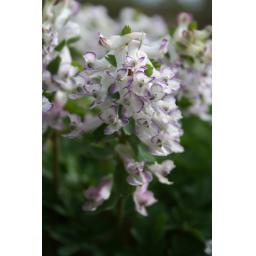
{"x":89,"y":58}
{"x":96,"y":195}
{"x":184,"y":18}
{"x":164,"y":45}
{"x":115,"y":42}
{"x":142,"y":199}
{"x":46,"y":104}
{"x":78,"y":126}
{"x":156,"y":49}
{"x":138,"y":176}
{"x":162,"y":170}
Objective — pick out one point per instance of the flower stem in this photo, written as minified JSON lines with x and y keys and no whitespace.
{"x":55,"y":161}
{"x":120,"y":211}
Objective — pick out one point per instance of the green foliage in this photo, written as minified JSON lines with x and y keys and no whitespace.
{"x":172,"y":30}
{"x":181,"y":46}
{"x":60,"y":46}
{"x":144,"y":155}
{"x":75,"y":54}
{"x":156,"y":64}
{"x":188,"y":59}
{"x":177,"y":225}
{"x":149,"y":70}
{"x":129,"y":128}
{"x":192,"y":25}
{"x":73,"y":39}
{"x":76,"y":64}
{"x":53,"y":66}
{"x":67,"y":42}
{"x":126,"y":30}
{"x":111,"y":59}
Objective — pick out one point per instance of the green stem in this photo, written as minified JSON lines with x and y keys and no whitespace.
{"x":120,"y":212}
{"x":55,"y":161}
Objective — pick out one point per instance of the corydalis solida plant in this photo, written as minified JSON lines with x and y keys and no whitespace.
{"x":131,"y":90}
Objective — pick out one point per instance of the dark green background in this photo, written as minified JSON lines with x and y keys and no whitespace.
{"x":178,"y":224}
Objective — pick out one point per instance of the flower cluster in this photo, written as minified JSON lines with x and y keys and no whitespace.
{"x":190,"y":52}
{"x":126,"y":87}
{"x":57,"y":29}
{"x":58,"y":71}
{"x":129,"y":81}
{"x":140,"y":176}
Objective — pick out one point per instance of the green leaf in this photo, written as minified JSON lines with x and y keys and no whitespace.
{"x":192,"y":25}
{"x":184,"y":103}
{"x":60,"y":46}
{"x":49,"y":95}
{"x":73,"y":39}
{"x":172,"y":31}
{"x":126,"y":30}
{"x":76,"y":64}
{"x":149,"y":70}
{"x":156,"y":64}
{"x":53,"y":66}
{"x":144,"y":154}
{"x":188,"y":59}
{"x":111,"y":59}
{"x":74,"y":108}
{"x":129,"y":128}
{"x":181,"y":46}
{"x":75,"y":54}
{"x":167,"y":55}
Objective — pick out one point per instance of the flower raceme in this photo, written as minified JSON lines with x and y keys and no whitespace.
{"x":125,"y":86}
{"x":190,"y":52}
{"x":140,"y":174}
{"x":132,"y":81}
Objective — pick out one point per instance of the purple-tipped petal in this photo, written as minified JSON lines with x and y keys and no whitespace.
{"x":90,"y":57}
{"x":164,"y":44}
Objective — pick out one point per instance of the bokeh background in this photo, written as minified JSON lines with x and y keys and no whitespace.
{"x":168,"y":9}
{"x":178,"y":225}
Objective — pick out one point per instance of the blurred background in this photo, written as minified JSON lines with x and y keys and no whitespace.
{"x":168,"y":9}
{"x":179,"y":224}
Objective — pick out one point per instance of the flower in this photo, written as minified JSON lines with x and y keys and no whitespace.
{"x":46,"y":104}
{"x":142,"y":199}
{"x":162,"y":170}
{"x":138,"y":176}
{"x":208,"y":247}
{"x":96,"y":195}
{"x":93,"y":19}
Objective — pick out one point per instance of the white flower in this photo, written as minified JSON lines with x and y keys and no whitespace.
{"x":162,"y":170}
{"x":208,"y":247}
{"x":138,"y":176}
{"x":46,"y":104}
{"x":93,"y":19}
{"x":96,"y":195}
{"x":142,"y":199}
